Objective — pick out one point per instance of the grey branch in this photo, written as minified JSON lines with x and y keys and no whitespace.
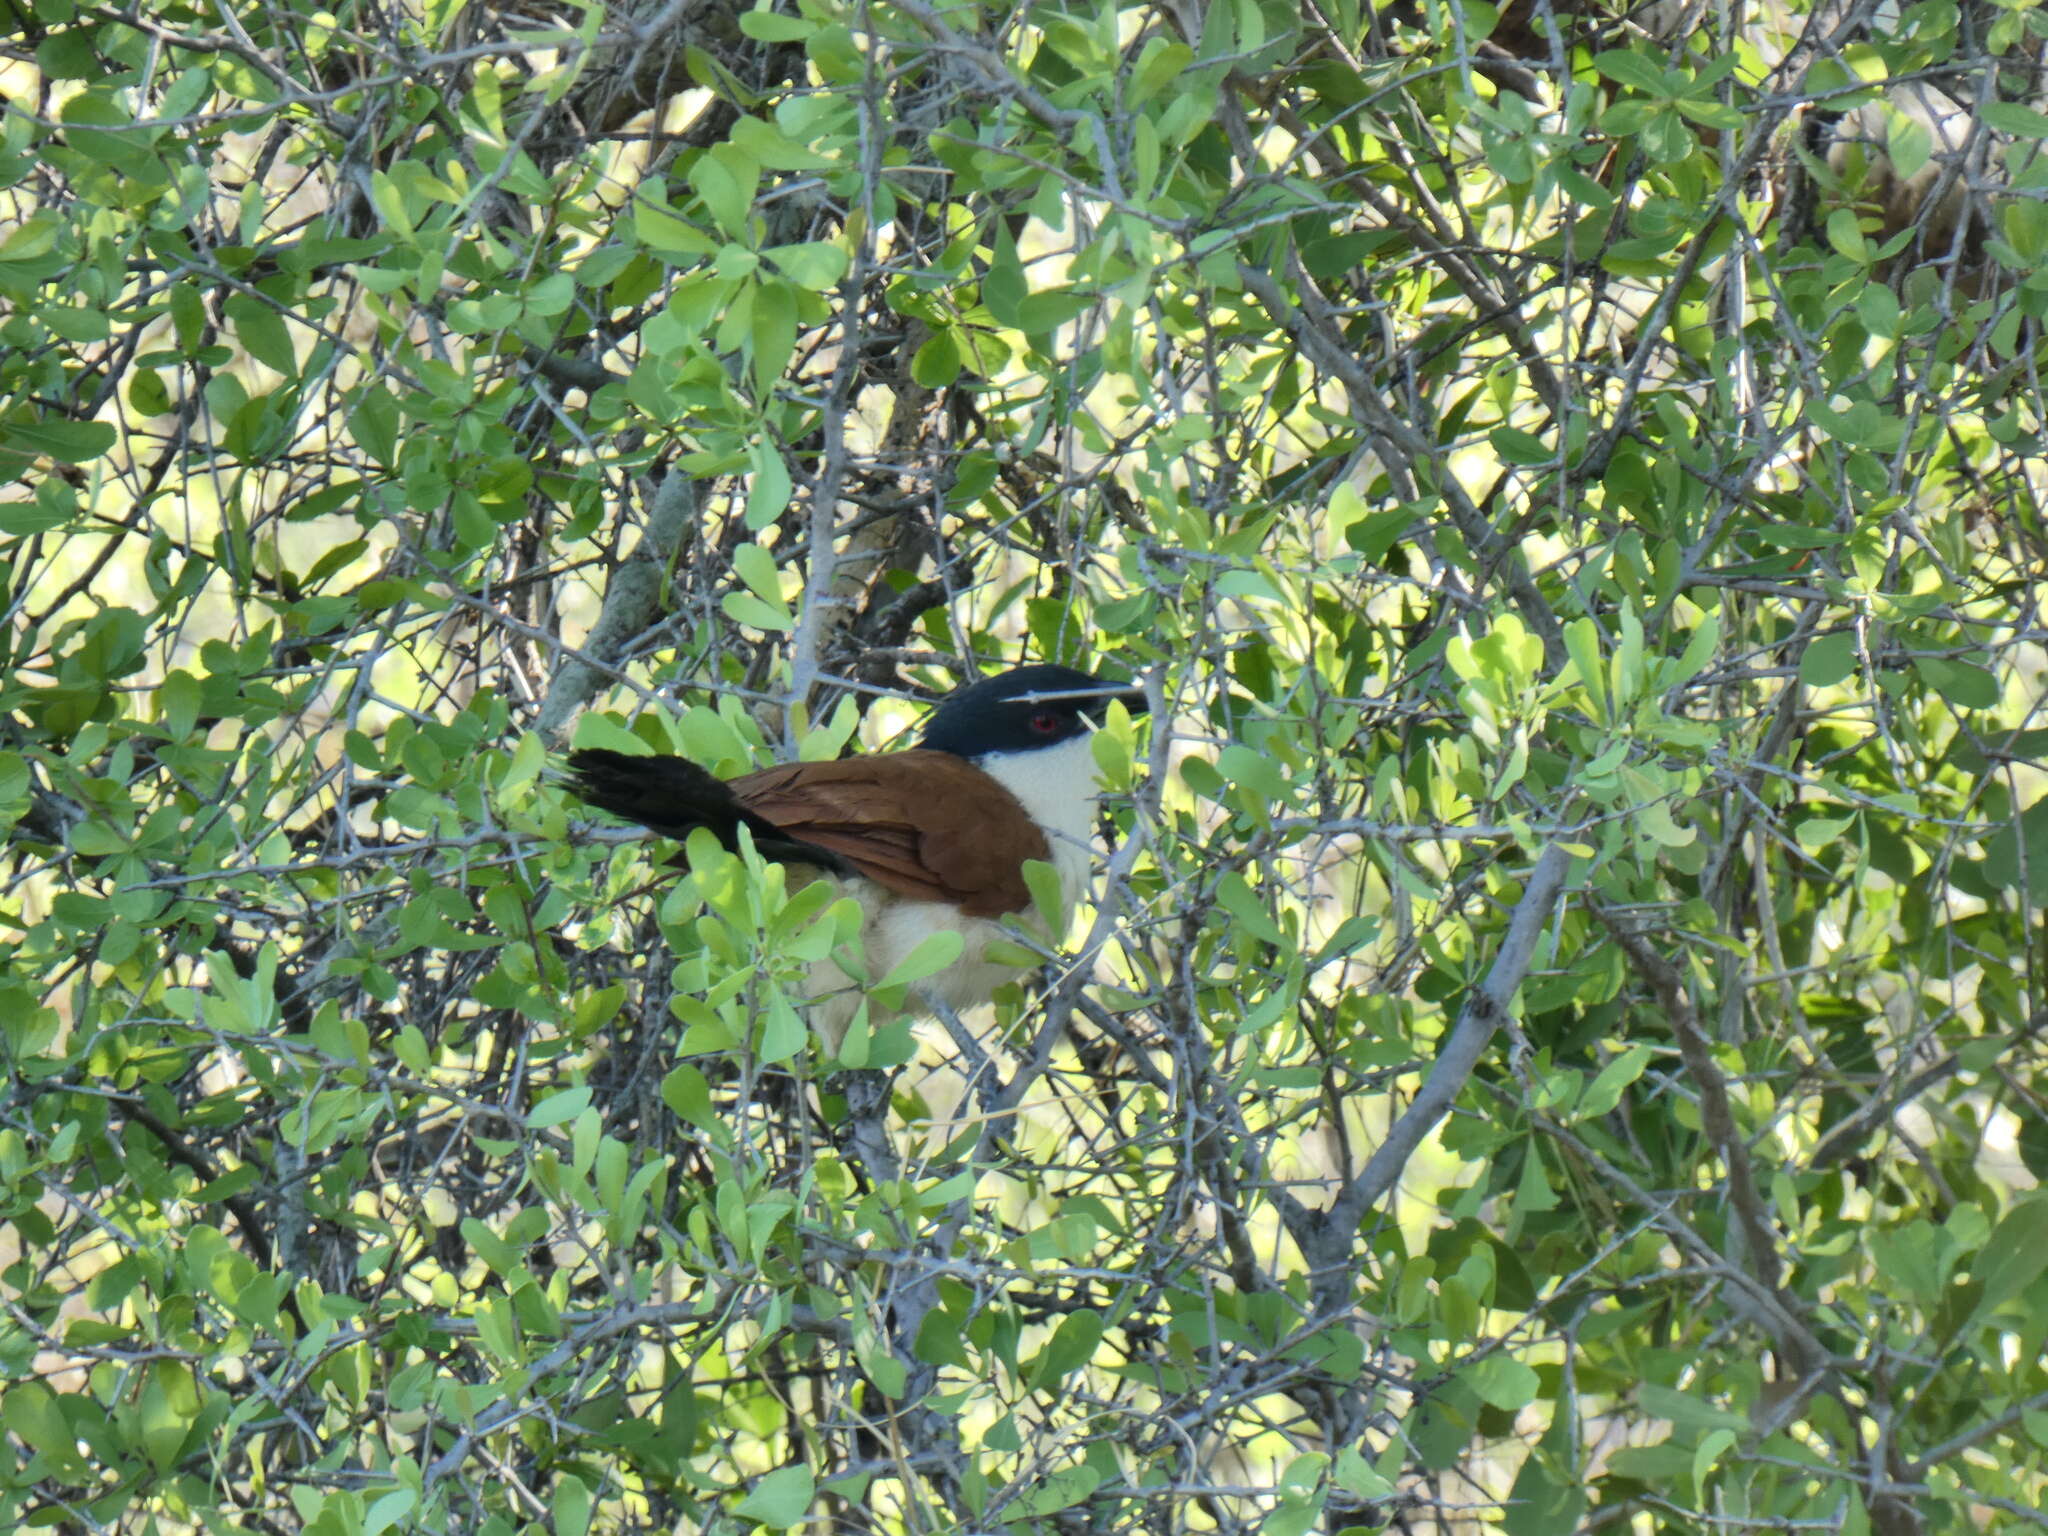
{"x":1484,"y":1010}
{"x":632,"y":603}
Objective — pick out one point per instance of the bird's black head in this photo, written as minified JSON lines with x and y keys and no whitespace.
{"x":1024,"y":709}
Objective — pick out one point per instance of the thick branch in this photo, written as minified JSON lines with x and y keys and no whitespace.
{"x":631,"y":605}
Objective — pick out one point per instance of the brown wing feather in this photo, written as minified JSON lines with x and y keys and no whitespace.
{"x":922,"y":824}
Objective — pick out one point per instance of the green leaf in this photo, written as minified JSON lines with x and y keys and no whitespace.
{"x":767,"y":27}
{"x":1070,"y":1348}
{"x":1518,"y":447}
{"x":388,"y":1510}
{"x":1711,"y":114}
{"x":68,"y":442}
{"x":1828,"y":77}
{"x":1254,"y":771}
{"x":1294,"y":1516}
{"x":374,"y":424}
{"x":686,"y":1092}
{"x":725,"y":178}
{"x":767,"y":495}
{"x":1379,"y":532}
{"x":56,"y":505}
{"x":937,"y":363}
{"x":262,"y":332}
{"x":1692,"y":1414}
{"x":1879,"y":310}
{"x":31,"y":1411}
{"x":2020,"y":846}
{"x":773,"y":332}
{"x":780,"y":1499}
{"x":1912,"y":1259}
{"x":34,"y":237}
{"x":169,"y":1409}
{"x":1059,"y":1490}
{"x":755,"y":565}
{"x":814,"y":264}
{"x":1828,"y":660}
{"x":660,"y":230}
{"x":1796,"y":536}
{"x":766,"y":145}
{"x":1047,"y":895}
{"x":1961,"y":684}
{"x":76,"y":323}
{"x":2011,"y":118}
{"x":2014,"y":1256}
{"x":1635,"y":70}
{"x":69,"y":55}
{"x":525,"y":765}
{"x":570,"y":1507}
{"x":934,"y":952}
{"x":389,"y":202}
{"x":938,"y":1340}
{"x":500,"y":1255}
{"x":1604,"y":1092}
{"x":1533,"y":1195}
{"x":1042,"y":311}
{"x":557,"y":1108}
{"x":1817,"y":832}
{"x":1544,"y":1500}
{"x":1707,"y":1457}
{"x":1237,"y":898}
{"x":762,"y":606}
{"x":1699,"y":650}
{"x":1582,"y":644}
{"x":1909,"y":141}
{"x":1845,"y":234}
{"x":1356,"y":1476}
{"x":1503,"y":1382}
{"x":1160,"y":63}
{"x":1003,"y":286}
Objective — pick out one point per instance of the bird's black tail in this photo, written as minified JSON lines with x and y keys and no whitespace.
{"x":674,"y":796}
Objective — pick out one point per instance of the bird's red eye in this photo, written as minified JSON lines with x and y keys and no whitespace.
{"x":1045,"y":722}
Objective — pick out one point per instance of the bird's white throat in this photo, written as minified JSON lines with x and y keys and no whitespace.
{"x":1057,"y":786}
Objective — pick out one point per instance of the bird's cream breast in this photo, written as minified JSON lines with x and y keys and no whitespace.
{"x":894,"y":929}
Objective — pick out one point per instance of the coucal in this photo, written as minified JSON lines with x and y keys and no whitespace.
{"x":935,"y":837}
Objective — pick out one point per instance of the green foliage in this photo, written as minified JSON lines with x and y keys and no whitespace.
{"x":1557,"y":1040}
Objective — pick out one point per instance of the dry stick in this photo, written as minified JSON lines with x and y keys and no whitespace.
{"x":1311,"y":321}
{"x":1716,"y":1113}
{"x":827,"y":601}
{"x":1486,"y":1008}
{"x":836,"y":577}
{"x":1757,"y":1250}
{"x":1771,"y":1309}
{"x":597,"y":1330}
{"x":1848,"y":1136}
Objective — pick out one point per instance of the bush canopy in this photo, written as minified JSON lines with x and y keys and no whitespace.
{"x":1557,"y":1040}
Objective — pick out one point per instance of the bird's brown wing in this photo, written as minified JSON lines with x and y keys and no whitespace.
{"x":922,"y":824}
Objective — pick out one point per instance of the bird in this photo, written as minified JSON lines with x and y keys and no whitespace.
{"x":928,"y":839}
